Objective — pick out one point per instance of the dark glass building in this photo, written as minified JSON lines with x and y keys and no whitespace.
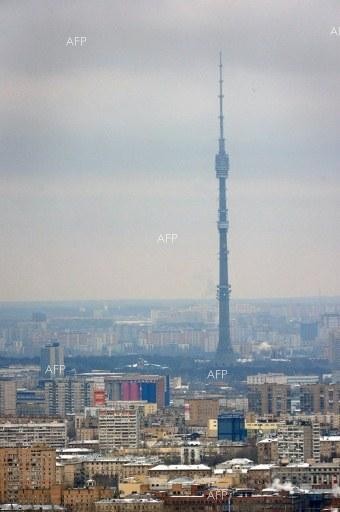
{"x":231,"y":427}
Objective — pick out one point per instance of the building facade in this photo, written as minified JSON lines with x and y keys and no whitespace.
{"x":26,"y":468}
{"x":64,"y":396}
{"x":298,"y":441}
{"x":8,"y":390}
{"x":52,"y":433}
{"x":231,"y":427}
{"x":201,"y":410}
{"x":119,"y":428}
{"x":52,"y":361}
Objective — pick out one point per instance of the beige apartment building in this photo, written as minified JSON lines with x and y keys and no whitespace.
{"x":83,"y":499}
{"x":26,"y":468}
{"x":267,"y":452}
{"x":172,"y":471}
{"x":123,"y":467}
{"x":329,"y":448}
{"x":201,"y":410}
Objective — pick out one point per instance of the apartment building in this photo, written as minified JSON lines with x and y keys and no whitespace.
{"x":8,"y":390}
{"x":267,"y":451}
{"x":280,"y":399}
{"x":269,"y":399}
{"x":320,"y":398}
{"x":64,"y":396}
{"x":52,"y":361}
{"x":200,"y":410}
{"x":119,"y":428}
{"x":83,"y":499}
{"x":298,"y":441}
{"x":123,"y":467}
{"x":18,"y":433}
{"x":329,"y":448}
{"x":25,"y":468}
{"x":320,"y":475}
{"x":180,"y":470}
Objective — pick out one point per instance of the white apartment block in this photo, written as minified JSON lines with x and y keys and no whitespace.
{"x":298,"y":441}
{"x":281,"y":378}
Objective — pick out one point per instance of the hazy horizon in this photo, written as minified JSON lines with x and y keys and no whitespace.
{"x":109,"y":145}
{"x":182,"y":299}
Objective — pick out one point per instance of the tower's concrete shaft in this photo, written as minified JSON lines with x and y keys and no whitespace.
{"x":224,"y":351}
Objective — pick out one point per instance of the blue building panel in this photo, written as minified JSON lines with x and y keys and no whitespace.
{"x":149,"y":392}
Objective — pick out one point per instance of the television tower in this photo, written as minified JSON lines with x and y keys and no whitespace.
{"x":224,"y":351}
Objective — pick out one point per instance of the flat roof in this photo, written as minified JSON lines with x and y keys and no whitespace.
{"x":180,"y":467}
{"x":130,"y":500}
{"x":262,"y":466}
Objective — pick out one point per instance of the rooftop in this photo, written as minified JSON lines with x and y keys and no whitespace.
{"x":16,"y":506}
{"x":181,"y":467}
{"x":260,"y":467}
{"x":330,"y":438}
{"x":130,"y":500}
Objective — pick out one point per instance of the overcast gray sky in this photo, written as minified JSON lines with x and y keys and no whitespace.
{"x":106,"y":146}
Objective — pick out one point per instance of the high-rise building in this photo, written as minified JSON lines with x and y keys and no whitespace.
{"x":64,"y":396}
{"x":335,"y":354}
{"x":26,"y":468}
{"x":231,"y":427}
{"x":8,"y":391}
{"x":200,"y":410}
{"x":269,"y":399}
{"x":119,"y":428}
{"x":277,"y":399}
{"x":224,"y":351}
{"x":320,"y":398}
{"x":52,"y":361}
{"x":298,"y":441}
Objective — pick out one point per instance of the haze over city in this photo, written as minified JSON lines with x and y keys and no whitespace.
{"x":108,"y":145}
{"x":169,"y":285}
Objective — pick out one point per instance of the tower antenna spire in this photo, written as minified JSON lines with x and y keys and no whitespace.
{"x":221,"y":100}
{"x":224,"y":351}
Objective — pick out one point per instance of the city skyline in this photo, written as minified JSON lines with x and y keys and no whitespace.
{"x":108,"y":146}
{"x":169,"y":285}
